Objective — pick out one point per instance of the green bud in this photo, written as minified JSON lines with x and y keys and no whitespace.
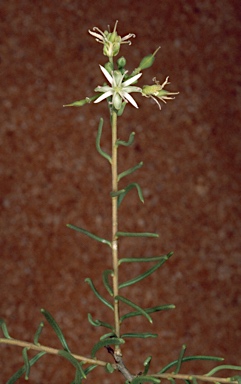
{"x":148,"y":60}
{"x":121,"y":62}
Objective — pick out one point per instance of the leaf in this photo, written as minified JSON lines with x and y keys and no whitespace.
{"x":189,"y":358}
{"x":21,"y":371}
{"x":180,"y":359}
{"x":105,"y":278}
{"x":103,"y":343}
{"x":143,"y":275}
{"x":108,"y":336}
{"x":144,"y":259}
{"x":67,"y":355}
{"x":56,"y":329}
{"x":143,"y":335}
{"x":221,"y":367}
{"x":136,"y":234}
{"x":89,"y":234}
{"x":4,"y":329}
{"x":124,"y":191}
{"x":109,"y":368}
{"x":26,"y":363}
{"x":146,"y":364}
{"x":38,"y":333}
{"x":129,"y":171}
{"x":148,"y":310}
{"x":126,"y":143}
{"x":98,"y":137}
{"x":133,"y":305}
{"x":97,"y":294}
{"x":99,"y":323}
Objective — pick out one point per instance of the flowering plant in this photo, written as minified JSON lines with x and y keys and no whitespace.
{"x":118,"y":95}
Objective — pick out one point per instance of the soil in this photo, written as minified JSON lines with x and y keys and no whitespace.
{"x":51,"y":175}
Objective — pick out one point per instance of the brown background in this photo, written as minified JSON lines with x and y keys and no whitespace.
{"x":52,"y":175}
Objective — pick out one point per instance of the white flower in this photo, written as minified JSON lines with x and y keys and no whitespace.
{"x":120,"y":91}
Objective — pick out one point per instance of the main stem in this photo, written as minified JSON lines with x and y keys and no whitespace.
{"x":115,"y":222}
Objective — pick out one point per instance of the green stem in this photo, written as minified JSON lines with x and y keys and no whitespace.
{"x":115,"y":224}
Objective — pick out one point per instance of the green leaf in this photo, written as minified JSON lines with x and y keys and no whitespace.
{"x":109,"y":368}
{"x":99,"y":133}
{"x":108,"y":336}
{"x":147,"y":310}
{"x":221,"y":367}
{"x":236,"y":378}
{"x":145,"y":259}
{"x":105,"y":278}
{"x":143,"y":275}
{"x":129,"y":171}
{"x":133,"y":305}
{"x":67,"y":355}
{"x":146,"y":364}
{"x":136,"y":234}
{"x":180,"y":359}
{"x":145,"y":379}
{"x":189,"y":358}
{"x":99,"y":323}
{"x":56,"y":329}
{"x":103,"y":343}
{"x":126,"y":143}
{"x":38,"y":333}
{"x":124,"y":191}
{"x":21,"y":371}
{"x":4,"y":329}
{"x":90,"y":369}
{"x":89,"y":234}
{"x":143,"y":335}
{"x":26,"y":363}
{"x":97,"y":294}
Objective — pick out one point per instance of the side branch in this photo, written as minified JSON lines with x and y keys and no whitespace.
{"x":53,"y":351}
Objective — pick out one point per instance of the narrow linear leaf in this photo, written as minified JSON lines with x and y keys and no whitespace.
{"x":99,"y":323}
{"x":180,"y":359}
{"x":147,"y":310}
{"x":108,"y":336}
{"x":89,"y":234}
{"x":90,"y":369}
{"x":99,"y":133}
{"x":144,"y":259}
{"x":136,"y":234}
{"x":145,"y":379}
{"x":146,"y":364}
{"x":123,"y":192}
{"x":189,"y":358}
{"x":194,"y":380}
{"x":26,"y":363}
{"x":126,"y":143}
{"x":103,"y":343}
{"x":135,"y":306}
{"x":4,"y":329}
{"x":221,"y":367}
{"x":56,"y":329}
{"x":80,"y":103}
{"x":67,"y":355}
{"x":143,"y":275}
{"x":38,"y":333}
{"x":105,"y":278}
{"x":21,"y":371}
{"x":144,"y":335}
{"x":129,"y":171}
{"x":98,"y":295}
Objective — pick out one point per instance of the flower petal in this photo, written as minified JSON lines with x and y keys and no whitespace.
{"x":103,"y":96}
{"x":107,"y":75}
{"x":131,"y":80}
{"x":128,"y":97}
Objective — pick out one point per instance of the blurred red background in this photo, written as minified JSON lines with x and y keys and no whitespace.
{"x":51,"y":175}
